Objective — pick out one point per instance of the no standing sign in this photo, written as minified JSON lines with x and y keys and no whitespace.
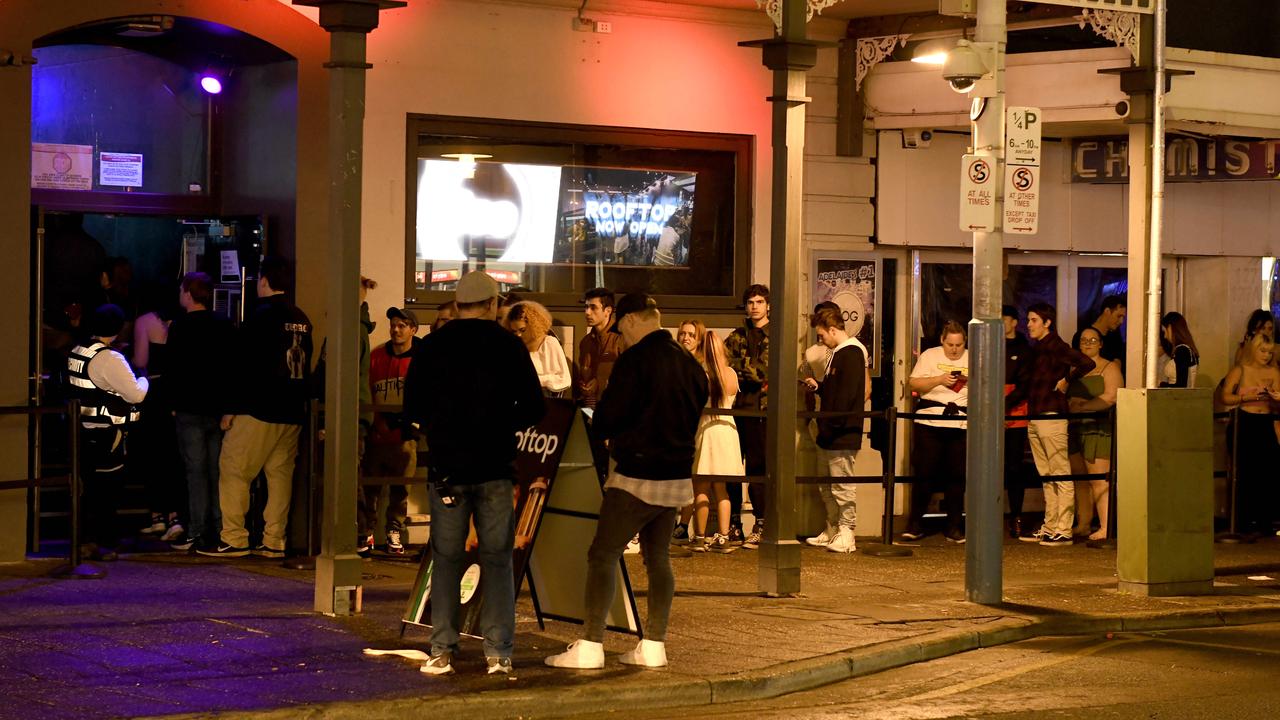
{"x":1022,"y":171}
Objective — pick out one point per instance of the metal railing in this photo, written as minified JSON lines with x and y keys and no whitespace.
{"x":75,"y":566}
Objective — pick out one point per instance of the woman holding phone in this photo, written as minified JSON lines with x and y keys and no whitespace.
{"x":1254,"y":387}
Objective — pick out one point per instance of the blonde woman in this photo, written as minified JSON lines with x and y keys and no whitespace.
{"x":717,"y":451}
{"x":531,"y":322}
{"x":1254,"y":387}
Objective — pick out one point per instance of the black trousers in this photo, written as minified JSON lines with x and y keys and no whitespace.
{"x":752,"y":436}
{"x":102,"y":458}
{"x":938,"y":461}
{"x":1015,"y":468}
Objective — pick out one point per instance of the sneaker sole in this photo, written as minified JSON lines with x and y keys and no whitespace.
{"x":232,"y":554}
{"x":448,"y":670}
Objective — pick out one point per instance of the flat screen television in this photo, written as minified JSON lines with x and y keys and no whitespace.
{"x":553,"y":214}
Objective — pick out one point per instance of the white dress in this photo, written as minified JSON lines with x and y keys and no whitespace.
{"x":717,"y":450}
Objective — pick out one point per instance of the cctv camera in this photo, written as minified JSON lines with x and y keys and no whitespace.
{"x":964,"y":67}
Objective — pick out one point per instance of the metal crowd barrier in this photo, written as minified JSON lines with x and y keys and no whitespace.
{"x":75,"y":567}
{"x":890,"y":478}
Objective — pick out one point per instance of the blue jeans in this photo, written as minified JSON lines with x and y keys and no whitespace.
{"x":200,"y":444}
{"x":491,"y":505}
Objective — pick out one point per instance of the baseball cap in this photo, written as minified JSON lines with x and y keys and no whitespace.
{"x":475,"y":287}
{"x":631,"y":302}
{"x":106,"y":321}
{"x":404,"y":314}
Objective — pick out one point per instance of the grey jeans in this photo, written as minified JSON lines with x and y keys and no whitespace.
{"x":622,"y":515}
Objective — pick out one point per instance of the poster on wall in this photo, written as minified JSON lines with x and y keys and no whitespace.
{"x":853,"y":283}
{"x":61,"y":167}
{"x":120,"y":169}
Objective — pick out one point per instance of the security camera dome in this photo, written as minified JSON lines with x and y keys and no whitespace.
{"x":964,"y":67}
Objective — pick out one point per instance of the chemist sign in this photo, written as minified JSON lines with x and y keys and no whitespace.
{"x":978,"y":193}
{"x":1022,"y":171}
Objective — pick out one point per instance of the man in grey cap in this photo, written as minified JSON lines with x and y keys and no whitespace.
{"x":470,"y":387}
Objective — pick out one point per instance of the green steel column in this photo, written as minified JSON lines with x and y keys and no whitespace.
{"x":338,"y":568}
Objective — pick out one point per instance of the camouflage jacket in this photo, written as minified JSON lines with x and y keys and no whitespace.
{"x":747,"y":349}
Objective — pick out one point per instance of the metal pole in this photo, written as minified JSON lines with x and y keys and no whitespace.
{"x":985,"y":462}
{"x":73,"y":482}
{"x":338,"y":566}
{"x":889,"y":459}
{"x":36,"y":423}
{"x":1157,"y":203}
{"x":789,"y":57}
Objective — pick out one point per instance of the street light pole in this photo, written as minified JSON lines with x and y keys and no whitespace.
{"x":984,"y":506}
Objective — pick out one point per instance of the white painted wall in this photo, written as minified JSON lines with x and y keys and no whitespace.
{"x":919,"y":206}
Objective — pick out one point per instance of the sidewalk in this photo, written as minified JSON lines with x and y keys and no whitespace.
{"x":178,"y":634}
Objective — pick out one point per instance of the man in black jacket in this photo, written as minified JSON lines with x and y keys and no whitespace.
{"x":266,"y":408}
{"x":845,"y":387}
{"x":649,"y":415}
{"x":470,"y":387}
{"x":199,"y":342}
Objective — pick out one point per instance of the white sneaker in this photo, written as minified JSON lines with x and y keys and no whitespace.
{"x":633,"y":547}
{"x":843,"y":541}
{"x":824,"y":538}
{"x":173,"y":533}
{"x":580,"y":655}
{"x":647,"y":653}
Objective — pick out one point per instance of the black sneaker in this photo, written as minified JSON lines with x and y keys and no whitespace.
{"x":752,"y":541}
{"x":364,"y":545}
{"x":680,"y":535}
{"x":441,"y":664}
{"x":185,"y":544}
{"x":720,"y":544}
{"x":735,"y":535}
{"x":268,"y":552}
{"x":224,"y":550}
{"x":1057,"y":540}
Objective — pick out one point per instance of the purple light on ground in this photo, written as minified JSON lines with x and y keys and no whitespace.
{"x":210,"y":84}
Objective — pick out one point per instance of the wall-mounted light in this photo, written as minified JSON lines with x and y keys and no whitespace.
{"x":467,"y":157}
{"x":211,"y":82}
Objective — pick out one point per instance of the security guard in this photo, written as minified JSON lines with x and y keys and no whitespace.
{"x":109,"y":393}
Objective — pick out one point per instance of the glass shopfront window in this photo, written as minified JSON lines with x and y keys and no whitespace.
{"x":557,"y":210}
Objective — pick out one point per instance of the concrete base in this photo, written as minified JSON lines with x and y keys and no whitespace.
{"x":779,"y":568}
{"x":338,"y":590}
{"x":1164,"y":491}
{"x":1170,"y":589}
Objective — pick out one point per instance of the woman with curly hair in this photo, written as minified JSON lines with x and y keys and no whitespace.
{"x":531,"y":322}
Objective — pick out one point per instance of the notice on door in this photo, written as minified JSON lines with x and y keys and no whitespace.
{"x":61,"y":167}
{"x":120,"y":169}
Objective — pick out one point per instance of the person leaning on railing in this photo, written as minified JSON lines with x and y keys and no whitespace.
{"x":1042,"y":381}
{"x":941,"y":377}
{"x":1091,"y":439}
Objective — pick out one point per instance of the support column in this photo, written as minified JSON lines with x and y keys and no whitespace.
{"x":789,"y":56}
{"x":984,"y":499}
{"x":338,"y":568}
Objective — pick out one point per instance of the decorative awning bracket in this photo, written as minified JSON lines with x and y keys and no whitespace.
{"x":870,"y":51}
{"x":1118,"y":26}
{"x":774,"y":9}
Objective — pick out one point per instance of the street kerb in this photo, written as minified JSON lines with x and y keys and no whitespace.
{"x":784,"y":678}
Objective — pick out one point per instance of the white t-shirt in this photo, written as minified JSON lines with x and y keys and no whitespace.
{"x":934,"y":362}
